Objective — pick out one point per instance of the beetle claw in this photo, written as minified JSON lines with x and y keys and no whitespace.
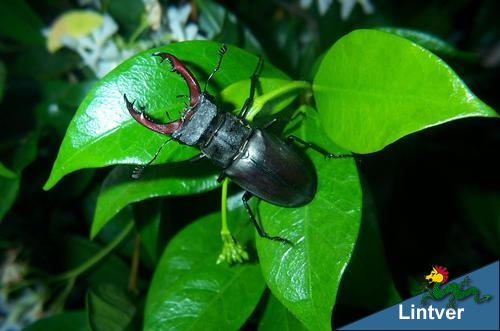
{"x":161,"y":55}
{"x":130,"y":105}
{"x":180,"y":68}
{"x":143,"y":118}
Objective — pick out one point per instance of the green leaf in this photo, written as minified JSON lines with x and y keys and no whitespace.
{"x":64,"y":93}
{"x":74,"y":321}
{"x":109,"y":308}
{"x":148,"y":222}
{"x":3,"y":78}
{"x":431,"y":43}
{"x":10,"y":180}
{"x":305,"y":277}
{"x":25,"y":152}
{"x":9,"y":187}
{"x":20,"y":23}
{"x":60,"y":101}
{"x":128,"y":13}
{"x":482,"y":211}
{"x":373,"y":87}
{"x":189,"y":291}
{"x":119,"y":189}
{"x":102,"y":131}
{"x":276,"y":315}
{"x":368,"y":258}
{"x":6,"y":172}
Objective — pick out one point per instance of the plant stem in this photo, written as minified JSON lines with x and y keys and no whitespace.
{"x":73,"y":273}
{"x":224,"y":228}
{"x":134,"y":267}
{"x":232,"y":251}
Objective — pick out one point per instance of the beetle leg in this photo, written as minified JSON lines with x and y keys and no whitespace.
{"x":138,"y":170}
{"x":268,"y":124}
{"x":328,"y":155}
{"x":141,"y":117}
{"x":260,"y":230}
{"x":253,"y":85}
{"x":197,"y":157}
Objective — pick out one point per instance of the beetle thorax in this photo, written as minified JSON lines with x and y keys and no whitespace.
{"x":198,"y":122}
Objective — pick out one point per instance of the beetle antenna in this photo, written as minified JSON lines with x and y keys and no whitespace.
{"x":222,"y":51}
{"x":138,"y":170}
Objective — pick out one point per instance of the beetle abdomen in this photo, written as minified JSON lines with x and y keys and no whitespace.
{"x":270,"y":169}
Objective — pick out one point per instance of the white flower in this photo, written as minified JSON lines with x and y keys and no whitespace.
{"x":94,"y":3}
{"x":346,"y":6}
{"x":177,"y":19}
{"x":153,"y":13}
{"x":23,"y":309}
{"x":98,"y":50}
{"x":323,"y":6}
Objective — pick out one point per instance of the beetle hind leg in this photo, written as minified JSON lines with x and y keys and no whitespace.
{"x":260,"y":230}
{"x":326,"y":154}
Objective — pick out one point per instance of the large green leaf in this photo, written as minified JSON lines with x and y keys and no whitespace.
{"x":10,"y":179}
{"x":373,"y":87}
{"x":110,"y":308}
{"x":102,"y":132}
{"x":368,"y":258}
{"x":431,"y":43}
{"x":71,"y":320}
{"x":190,"y":291}
{"x":119,"y":189}
{"x":277,"y":316}
{"x":3,"y":78}
{"x":482,"y":209}
{"x":20,"y":23}
{"x":148,"y":223}
{"x":305,"y":277}
{"x":9,"y":187}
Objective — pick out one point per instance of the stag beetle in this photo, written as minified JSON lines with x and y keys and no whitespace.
{"x":261,"y":163}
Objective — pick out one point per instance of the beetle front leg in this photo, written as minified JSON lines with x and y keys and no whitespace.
{"x":138,"y":170}
{"x":222,"y":52}
{"x":253,"y":85}
{"x":260,"y":230}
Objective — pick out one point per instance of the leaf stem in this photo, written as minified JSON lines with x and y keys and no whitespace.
{"x":260,"y":101}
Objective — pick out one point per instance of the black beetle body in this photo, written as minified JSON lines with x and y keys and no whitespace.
{"x":262,"y":164}
{"x":272,"y":171}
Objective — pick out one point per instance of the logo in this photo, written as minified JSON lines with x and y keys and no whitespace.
{"x":444,"y":304}
{"x":439,"y":276}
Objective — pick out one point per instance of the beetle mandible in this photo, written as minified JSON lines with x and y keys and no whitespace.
{"x":264,"y":165}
